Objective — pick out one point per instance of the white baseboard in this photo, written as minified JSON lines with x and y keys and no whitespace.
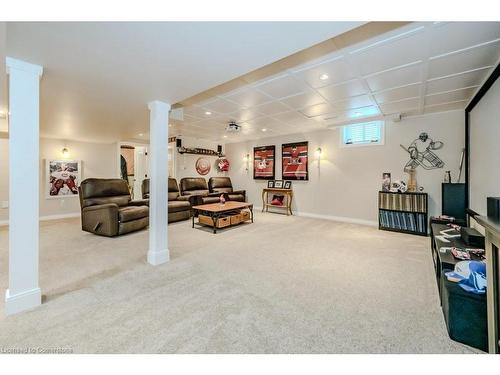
{"x":47,"y":218}
{"x":342,"y":219}
{"x":156,"y":258}
{"x":22,"y":301}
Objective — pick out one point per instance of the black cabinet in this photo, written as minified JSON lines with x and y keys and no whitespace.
{"x":453,"y":201}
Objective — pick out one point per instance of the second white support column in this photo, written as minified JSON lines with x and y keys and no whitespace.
{"x":158,"y":191}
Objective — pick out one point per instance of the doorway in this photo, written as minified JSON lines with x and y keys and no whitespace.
{"x":134,"y":166}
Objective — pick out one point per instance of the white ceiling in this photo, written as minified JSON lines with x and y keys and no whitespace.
{"x":417,"y":69}
{"x":99,"y":77}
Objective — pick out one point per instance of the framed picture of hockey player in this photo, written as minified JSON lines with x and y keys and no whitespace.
{"x":294,"y":161}
{"x":63,"y":178}
{"x":264,"y":162}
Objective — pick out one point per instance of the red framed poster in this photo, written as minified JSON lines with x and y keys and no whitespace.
{"x":294,"y":161}
{"x":264,"y":162}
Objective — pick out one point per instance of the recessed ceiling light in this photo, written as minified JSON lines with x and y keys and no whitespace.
{"x":140,"y":134}
{"x":323,"y":77}
{"x":208,"y":113}
{"x":225,"y":136}
{"x":264,"y":130}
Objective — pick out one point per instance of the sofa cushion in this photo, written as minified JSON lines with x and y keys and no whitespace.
{"x":196,"y":192}
{"x":237,"y":197}
{"x":121,"y":200}
{"x":176,"y":206}
{"x":222,"y":190}
{"x":132,"y":213}
{"x":173,"y":189}
{"x":220,"y":184}
{"x":189,"y":185}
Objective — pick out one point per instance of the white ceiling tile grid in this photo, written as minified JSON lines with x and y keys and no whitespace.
{"x":420,"y":68}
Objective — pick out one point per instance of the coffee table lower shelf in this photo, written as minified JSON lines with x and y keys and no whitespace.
{"x":221,"y":218}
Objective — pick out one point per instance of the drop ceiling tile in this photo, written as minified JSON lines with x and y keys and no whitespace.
{"x":468,"y":79}
{"x":282,"y":87}
{"x":188,"y":119}
{"x":453,"y":36}
{"x":395,"y":52}
{"x":451,"y":96}
{"x":272,"y":108}
{"x":354,"y":102}
{"x":337,"y":70}
{"x":343,"y":90}
{"x":263,"y":122}
{"x":249,"y":97}
{"x":400,"y":76}
{"x":290,"y":117}
{"x":317,"y":110}
{"x":222,"y":106}
{"x":362,"y":112}
{"x":445,"y":107}
{"x":195,"y":112}
{"x":306,"y":99}
{"x":400,"y":93}
{"x":470,"y":59}
{"x":400,"y":106}
{"x":240,"y":116}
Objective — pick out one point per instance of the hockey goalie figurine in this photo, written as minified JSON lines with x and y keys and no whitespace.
{"x":421,"y":152}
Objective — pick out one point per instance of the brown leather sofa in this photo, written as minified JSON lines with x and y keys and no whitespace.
{"x":196,"y":189}
{"x":107,"y":208}
{"x":179,"y":208}
{"x":218,"y":185}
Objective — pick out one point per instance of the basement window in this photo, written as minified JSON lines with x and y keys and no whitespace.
{"x":363,"y":134}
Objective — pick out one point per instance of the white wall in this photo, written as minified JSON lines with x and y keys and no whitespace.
{"x":346,"y":183}
{"x":98,"y":160}
{"x":4,"y":177}
{"x":185,"y":163}
{"x":484,"y":155}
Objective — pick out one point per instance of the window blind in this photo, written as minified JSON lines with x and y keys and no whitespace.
{"x":363,"y":133}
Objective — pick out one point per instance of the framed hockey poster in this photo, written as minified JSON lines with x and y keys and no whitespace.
{"x":294,"y":161}
{"x":264,"y":162}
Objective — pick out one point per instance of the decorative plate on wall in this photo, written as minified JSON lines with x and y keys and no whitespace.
{"x":202,"y":166}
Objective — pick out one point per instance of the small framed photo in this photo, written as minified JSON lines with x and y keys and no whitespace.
{"x":278,"y":184}
{"x":270,"y":183}
{"x":288,"y":184}
{"x":386,"y":181}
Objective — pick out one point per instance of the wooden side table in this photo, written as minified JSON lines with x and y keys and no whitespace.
{"x":286,"y":192}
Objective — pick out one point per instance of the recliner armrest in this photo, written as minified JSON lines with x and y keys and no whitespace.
{"x":182,"y":198}
{"x":139,"y":202}
{"x":101,"y":219}
{"x":96,"y":207}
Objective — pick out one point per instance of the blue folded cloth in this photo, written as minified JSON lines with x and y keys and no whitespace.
{"x":471,"y":275}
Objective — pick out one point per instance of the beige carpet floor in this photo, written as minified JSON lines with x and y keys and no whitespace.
{"x":280,"y":285}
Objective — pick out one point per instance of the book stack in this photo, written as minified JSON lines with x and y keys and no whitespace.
{"x":403,"y":212}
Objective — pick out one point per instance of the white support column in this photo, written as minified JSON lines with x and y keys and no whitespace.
{"x":158,"y":187}
{"x":24,"y":79}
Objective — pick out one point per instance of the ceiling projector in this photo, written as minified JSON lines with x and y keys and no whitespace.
{"x":233,"y":127}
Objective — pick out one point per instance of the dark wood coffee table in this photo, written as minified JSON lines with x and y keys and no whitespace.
{"x":216,"y":210}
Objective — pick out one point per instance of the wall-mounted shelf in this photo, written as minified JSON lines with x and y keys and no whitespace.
{"x":199,"y":151}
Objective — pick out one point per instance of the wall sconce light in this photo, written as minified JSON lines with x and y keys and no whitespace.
{"x":246,"y":158}
{"x":65,"y":152}
{"x":318,"y":153}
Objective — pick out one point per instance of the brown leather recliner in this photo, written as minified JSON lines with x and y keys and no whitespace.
{"x":107,"y":208}
{"x":218,"y":185}
{"x":179,"y":208}
{"x":196,"y":189}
